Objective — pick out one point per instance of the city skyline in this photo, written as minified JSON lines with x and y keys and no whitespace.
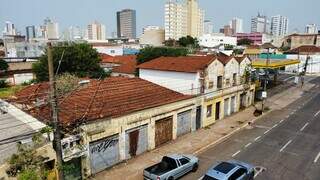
{"x":153,"y":15}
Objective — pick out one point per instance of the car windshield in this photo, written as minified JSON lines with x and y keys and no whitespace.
{"x":206,"y":177}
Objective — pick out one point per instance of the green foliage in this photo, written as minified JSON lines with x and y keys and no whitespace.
{"x":3,"y":83}
{"x":28,"y":174}
{"x":149,"y":53}
{"x":26,"y":164}
{"x":228,"y":47}
{"x":238,"y":51}
{"x":9,"y":91}
{"x":189,"y":42}
{"x":245,"y":41}
{"x":284,"y":48}
{"x":170,"y":43}
{"x":78,"y":59}
{"x":66,"y":83}
{"x":3,"y":65}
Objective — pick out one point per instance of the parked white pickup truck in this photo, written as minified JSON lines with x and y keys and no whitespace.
{"x":171,"y":167}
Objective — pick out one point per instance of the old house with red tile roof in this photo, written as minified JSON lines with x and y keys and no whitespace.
{"x":117,"y":118}
{"x":119,"y":65}
{"x":310,"y":52}
{"x":215,"y":78}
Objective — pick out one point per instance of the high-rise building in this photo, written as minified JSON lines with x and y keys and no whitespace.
{"x":30,"y":32}
{"x":73,"y":33}
{"x":152,"y":36}
{"x":96,"y":31}
{"x":227,"y":30}
{"x":279,"y":25}
{"x":9,"y":29}
{"x":51,"y":28}
{"x":126,"y":23}
{"x":237,"y":25}
{"x":311,"y":29}
{"x":260,"y":24}
{"x":207,"y":27}
{"x":183,"y":18}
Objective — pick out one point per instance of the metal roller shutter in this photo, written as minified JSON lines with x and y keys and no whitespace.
{"x":163,"y":131}
{"x":184,"y":123}
{"x":104,"y":153}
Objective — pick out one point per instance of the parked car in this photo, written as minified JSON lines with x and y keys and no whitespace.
{"x":171,"y":167}
{"x":230,"y":170}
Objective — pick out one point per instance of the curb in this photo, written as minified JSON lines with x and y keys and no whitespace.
{"x":222,"y":139}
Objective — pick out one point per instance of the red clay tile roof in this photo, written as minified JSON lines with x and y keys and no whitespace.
{"x":190,"y":64}
{"x":224,"y":59}
{"x":305,"y":49}
{"x":128,"y":64}
{"x":112,"y":97}
{"x":241,"y":58}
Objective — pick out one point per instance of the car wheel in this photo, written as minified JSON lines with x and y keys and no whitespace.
{"x":170,"y":178}
{"x":195,"y":167}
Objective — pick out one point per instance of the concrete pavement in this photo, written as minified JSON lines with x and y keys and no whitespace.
{"x":285,"y":142}
{"x":199,"y":141}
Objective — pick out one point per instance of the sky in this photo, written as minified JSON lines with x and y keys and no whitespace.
{"x":151,"y":12}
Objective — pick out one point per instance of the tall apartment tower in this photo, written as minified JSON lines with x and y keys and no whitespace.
{"x":183,"y":18}
{"x":96,"y":31}
{"x":237,"y":25}
{"x":30,"y":32}
{"x":279,"y":25}
{"x":207,"y":27}
{"x":311,"y":29}
{"x":9,"y":29}
{"x":126,"y":23}
{"x":260,"y":24}
{"x":51,"y":28}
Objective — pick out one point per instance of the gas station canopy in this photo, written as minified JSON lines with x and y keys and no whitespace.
{"x":273,"y":63}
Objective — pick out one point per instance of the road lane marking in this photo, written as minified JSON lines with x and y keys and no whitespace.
{"x":317,"y":113}
{"x":233,"y":155}
{"x":266,"y":131}
{"x":257,"y":138}
{"x":304,"y":127}
{"x":257,"y":172}
{"x":281,"y":120}
{"x":317,"y":158}
{"x":285,"y":145}
{"x":287,"y":116}
{"x":201,"y":178}
{"x":247,"y":145}
{"x":275,"y":126}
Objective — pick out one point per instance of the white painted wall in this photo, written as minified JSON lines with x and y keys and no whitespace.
{"x":110,"y":50}
{"x":214,"y":70}
{"x":186,"y":83}
{"x":230,"y":68}
{"x":211,"y":40}
{"x":313,"y":64}
{"x":244,"y":63}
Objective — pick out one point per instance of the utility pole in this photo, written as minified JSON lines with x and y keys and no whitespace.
{"x":265,"y":82}
{"x":55,"y":117}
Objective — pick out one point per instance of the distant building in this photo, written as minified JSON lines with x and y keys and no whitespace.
{"x":52,"y":29}
{"x":257,"y":38}
{"x":214,"y":40}
{"x":30,"y":32}
{"x":182,"y":19}
{"x":227,"y":30}
{"x":207,"y":27}
{"x":9,"y":29}
{"x":237,"y":25}
{"x":96,"y":31}
{"x":279,"y":25}
{"x":126,"y":23}
{"x":152,"y":35}
{"x":311,"y":29}
{"x":260,"y":24}
{"x":296,"y":40}
{"x":73,"y":33}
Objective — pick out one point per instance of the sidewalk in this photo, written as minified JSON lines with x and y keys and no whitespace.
{"x":198,"y":141}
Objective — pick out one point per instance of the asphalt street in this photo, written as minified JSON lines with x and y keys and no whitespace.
{"x":284,"y":145}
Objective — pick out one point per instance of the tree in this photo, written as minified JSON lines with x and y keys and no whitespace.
{"x":170,"y":43}
{"x":188,"y":41}
{"x":245,"y":41}
{"x":66,"y":83}
{"x":3,"y":65}
{"x":149,"y":53}
{"x":78,"y":59}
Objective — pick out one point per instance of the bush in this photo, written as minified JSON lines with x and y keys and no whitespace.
{"x":3,"y":84}
{"x":28,"y":174}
